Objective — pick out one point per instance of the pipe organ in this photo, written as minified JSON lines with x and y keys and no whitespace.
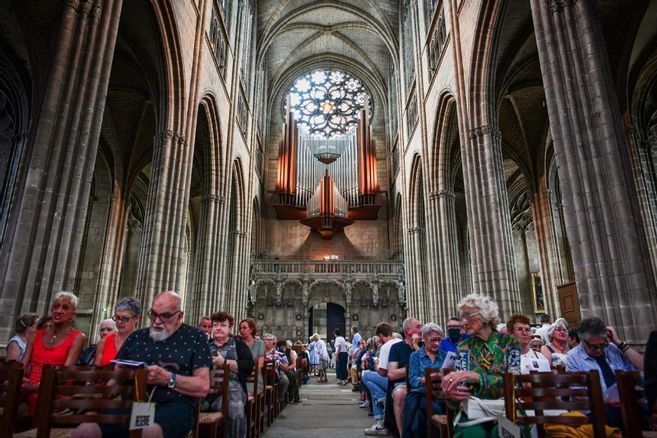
{"x":327,"y":183}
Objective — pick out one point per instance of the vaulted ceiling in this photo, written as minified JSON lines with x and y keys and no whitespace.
{"x":297,"y":36}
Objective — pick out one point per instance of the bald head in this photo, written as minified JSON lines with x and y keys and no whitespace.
{"x":168,"y":298}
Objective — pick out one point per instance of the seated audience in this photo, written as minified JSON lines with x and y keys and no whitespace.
{"x":377,"y":381}
{"x":225,"y":348}
{"x":248,"y":331}
{"x":556,"y":351}
{"x":127,"y":313}
{"x":400,"y":354}
{"x":573,"y":338}
{"x":26,"y":327}
{"x":536,"y":343}
{"x":289,"y":368}
{"x":89,"y":354}
{"x":602,"y":350}
{"x":278,"y":358}
{"x":415,"y":403}
{"x":481,"y":361}
{"x":59,"y":343}
{"x":178,"y":362}
{"x":355,"y":370}
{"x":530,"y":360}
{"x":368,"y":364}
{"x":454,"y":335}
{"x":205,"y":324}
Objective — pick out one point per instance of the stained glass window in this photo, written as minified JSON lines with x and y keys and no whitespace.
{"x":327,"y":102}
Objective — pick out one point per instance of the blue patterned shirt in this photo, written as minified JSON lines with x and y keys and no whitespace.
{"x":418,"y":362}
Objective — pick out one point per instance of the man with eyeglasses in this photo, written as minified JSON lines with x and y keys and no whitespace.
{"x":601,"y":349}
{"x":178,"y":361}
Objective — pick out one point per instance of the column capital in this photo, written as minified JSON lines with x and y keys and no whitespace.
{"x":438,"y":194}
{"x":483,"y":130}
{"x":559,"y":5}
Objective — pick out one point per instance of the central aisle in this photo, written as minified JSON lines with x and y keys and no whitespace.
{"x":327,"y":410}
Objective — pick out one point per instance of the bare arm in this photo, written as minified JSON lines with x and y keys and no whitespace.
{"x":395,"y":372}
{"x":28,"y":352}
{"x":196,"y":385}
{"x":635,"y":358}
{"x":76,"y":349}
{"x":546,"y":353}
{"x":98,"y":358}
{"x":13,"y":352}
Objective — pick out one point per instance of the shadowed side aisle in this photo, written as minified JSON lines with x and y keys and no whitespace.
{"x":327,"y":410}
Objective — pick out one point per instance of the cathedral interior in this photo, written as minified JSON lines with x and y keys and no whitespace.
{"x":321,"y":164}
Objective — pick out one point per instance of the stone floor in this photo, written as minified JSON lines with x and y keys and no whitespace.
{"x":327,"y":410}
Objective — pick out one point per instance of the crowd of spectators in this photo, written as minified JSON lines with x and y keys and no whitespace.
{"x":387,"y":369}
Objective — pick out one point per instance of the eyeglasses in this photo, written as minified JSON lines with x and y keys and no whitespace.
{"x":434,"y":340}
{"x":522,"y":329}
{"x":469,"y":316}
{"x":164,"y":317}
{"x":596,"y":346}
{"x":121,"y":319}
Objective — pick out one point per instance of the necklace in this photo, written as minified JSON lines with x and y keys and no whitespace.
{"x":54,"y":337}
{"x":563,"y":350}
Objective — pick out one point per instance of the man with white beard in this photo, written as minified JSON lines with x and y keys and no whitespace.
{"x":177,"y":357}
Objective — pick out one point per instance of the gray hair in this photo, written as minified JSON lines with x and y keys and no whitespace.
{"x":268,"y":335}
{"x":111,"y":322}
{"x":592,"y":327}
{"x":487,"y":307}
{"x":396,"y":335}
{"x":129,"y":304}
{"x":74,"y":300}
{"x":560,"y":322}
{"x":407,"y":323}
{"x":432,"y":327}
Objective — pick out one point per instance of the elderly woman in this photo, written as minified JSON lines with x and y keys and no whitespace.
{"x":59,"y":343}
{"x":556,"y":351}
{"x":322,"y":353}
{"x":530,"y":360}
{"x":481,"y":361}
{"x":415,"y":403}
{"x":26,"y":326}
{"x":225,"y":348}
{"x":126,"y":316}
{"x":88,"y":355}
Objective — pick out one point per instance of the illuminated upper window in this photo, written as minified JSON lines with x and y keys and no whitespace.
{"x":327,"y":102}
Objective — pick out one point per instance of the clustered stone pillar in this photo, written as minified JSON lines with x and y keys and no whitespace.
{"x":491,"y":241}
{"x":610,"y":257}
{"x":42,"y":248}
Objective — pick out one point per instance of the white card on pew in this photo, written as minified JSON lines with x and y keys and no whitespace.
{"x":507,"y":429}
{"x":129,"y":363}
{"x":450,"y":361}
{"x":142,"y":415}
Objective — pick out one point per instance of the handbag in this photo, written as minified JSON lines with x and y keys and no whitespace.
{"x":479,"y":411}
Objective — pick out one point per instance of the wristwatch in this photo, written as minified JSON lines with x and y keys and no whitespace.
{"x":622,"y":346}
{"x":172,"y":381}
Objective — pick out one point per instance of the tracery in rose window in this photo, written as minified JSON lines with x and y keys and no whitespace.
{"x":327,"y":102}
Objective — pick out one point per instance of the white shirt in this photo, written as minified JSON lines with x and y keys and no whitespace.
{"x":533,"y":361}
{"x":340,"y":342}
{"x":385,"y":353}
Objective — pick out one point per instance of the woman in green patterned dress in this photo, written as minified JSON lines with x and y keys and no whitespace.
{"x":481,"y":362}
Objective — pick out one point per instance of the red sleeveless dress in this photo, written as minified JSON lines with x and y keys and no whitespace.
{"x":42,"y":355}
{"x":109,"y":351}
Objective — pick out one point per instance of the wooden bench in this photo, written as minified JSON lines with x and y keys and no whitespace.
{"x":433,"y":380}
{"x":11,"y":377}
{"x":540,"y":398}
{"x":213,"y":424}
{"x":69,"y":396}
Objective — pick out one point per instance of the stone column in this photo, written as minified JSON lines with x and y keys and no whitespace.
{"x":610,"y":255}
{"x":447,"y":269}
{"x":112,"y":257}
{"x":42,"y":246}
{"x":204,"y":293}
{"x":162,"y":244}
{"x":491,"y":241}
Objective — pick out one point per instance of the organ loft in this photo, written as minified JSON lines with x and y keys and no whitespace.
{"x":322,"y":164}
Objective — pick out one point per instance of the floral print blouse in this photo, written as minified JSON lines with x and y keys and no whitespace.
{"x":490,"y":359}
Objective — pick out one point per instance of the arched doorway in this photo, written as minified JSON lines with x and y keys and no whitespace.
{"x":324,"y":318}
